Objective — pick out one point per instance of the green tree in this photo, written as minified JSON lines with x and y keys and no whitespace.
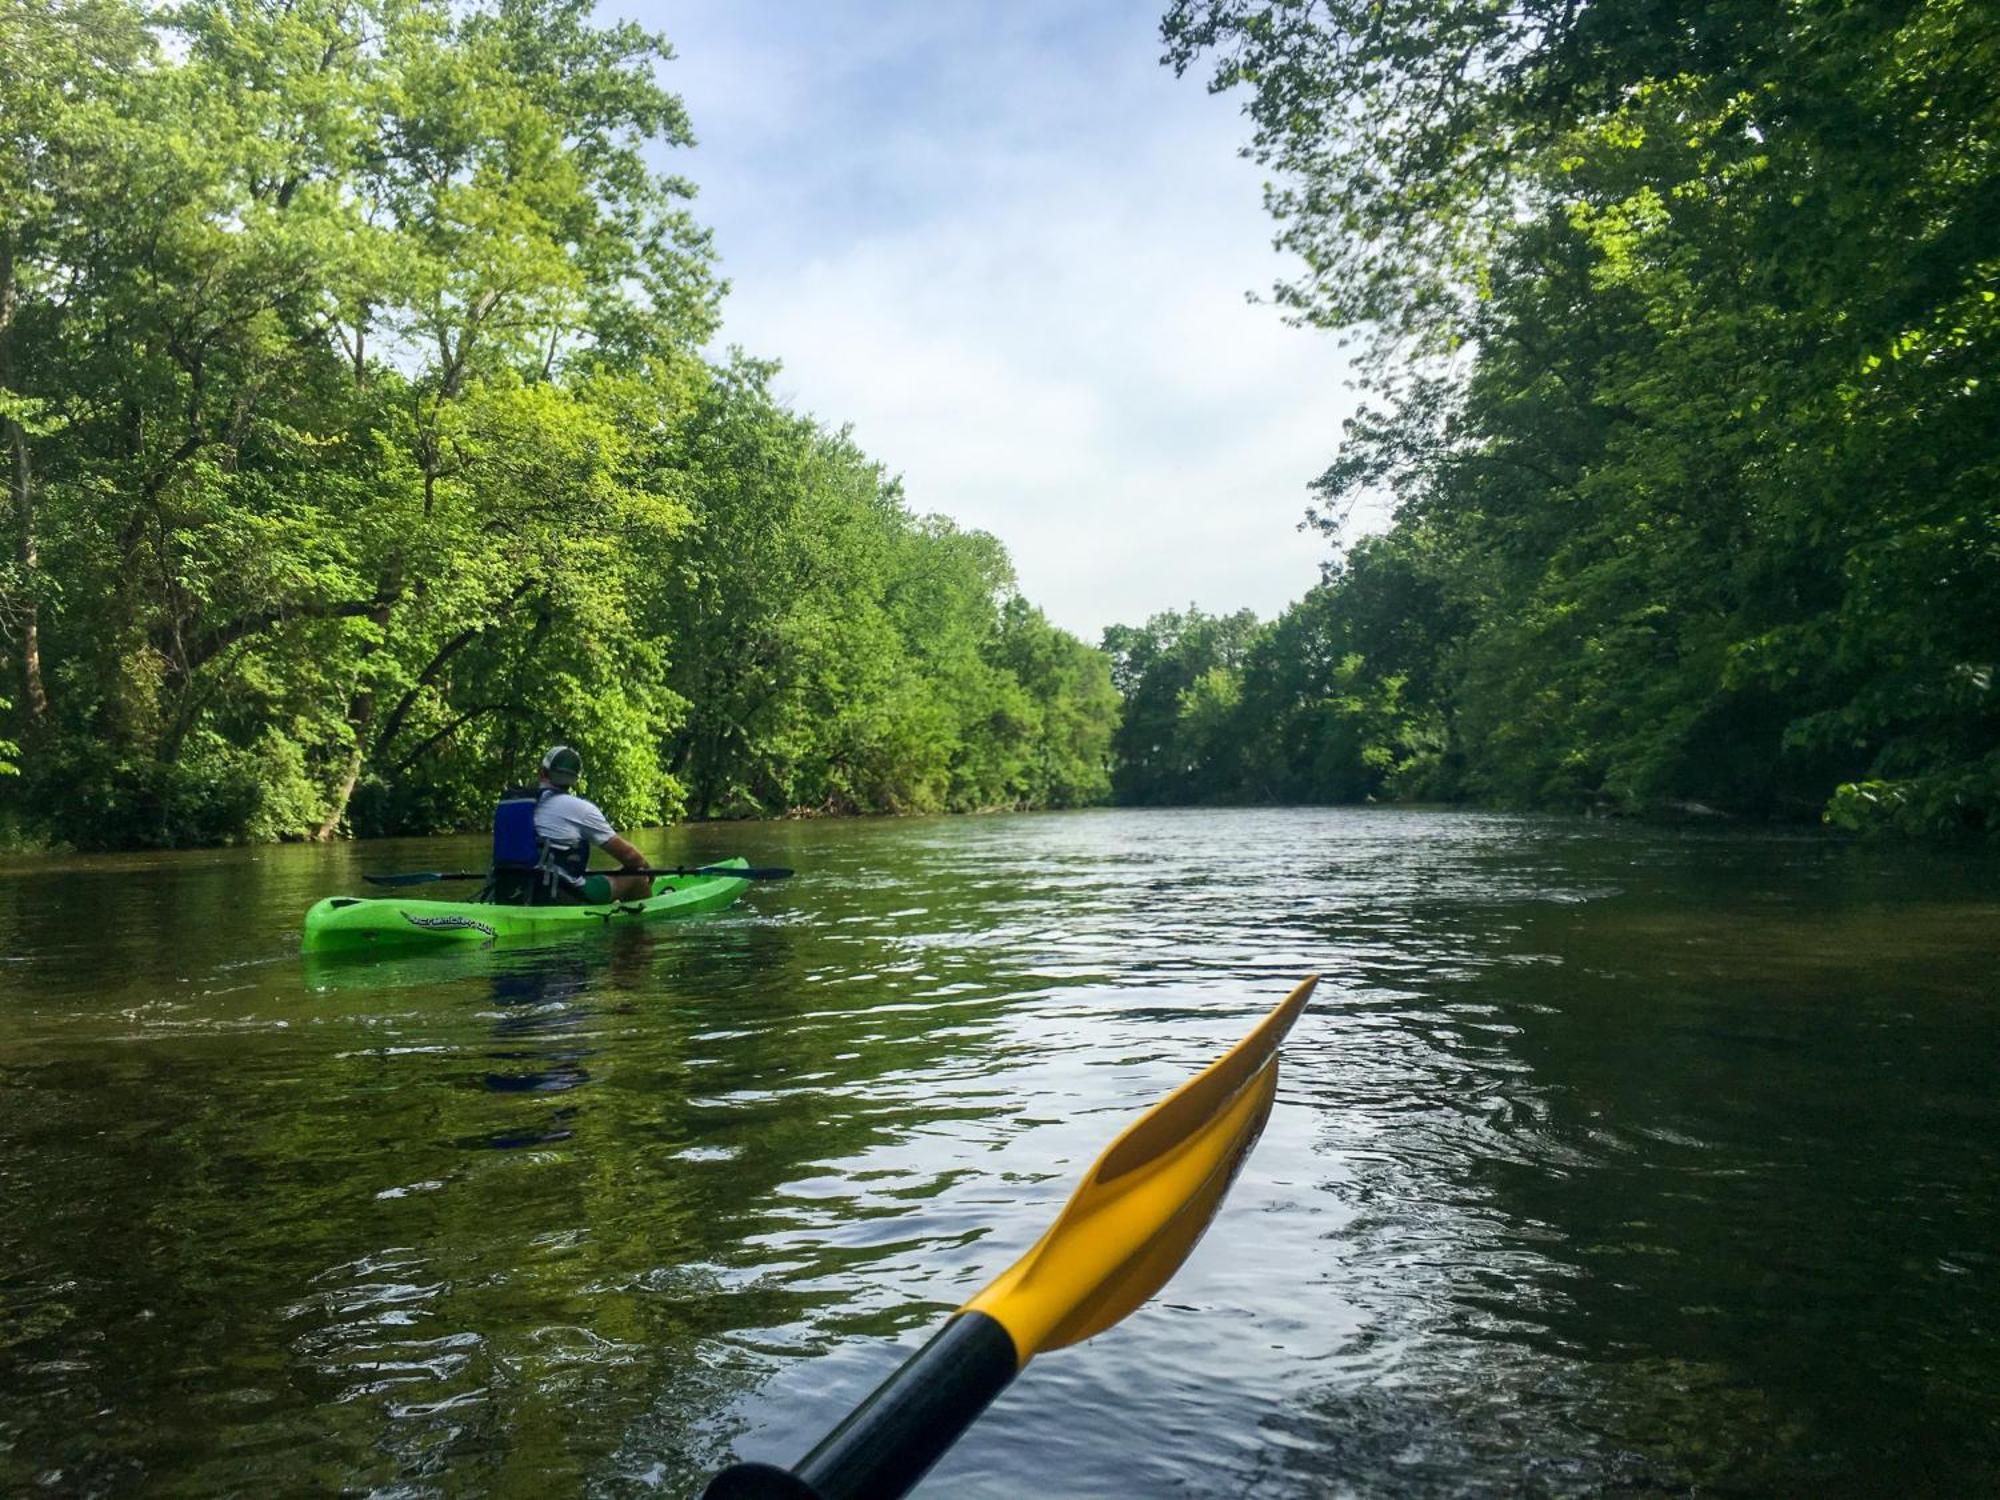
{"x":337,"y":374}
{"x":64,"y":65}
{"x":1712,"y":480}
{"x":360,"y":442}
{"x":1071,"y":710}
{"x":840,"y":654}
{"x":1178,"y":675}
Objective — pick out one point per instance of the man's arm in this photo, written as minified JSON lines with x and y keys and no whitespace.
{"x":622,"y":851}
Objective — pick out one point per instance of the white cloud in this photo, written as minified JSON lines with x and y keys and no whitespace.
{"x":1012,"y":252}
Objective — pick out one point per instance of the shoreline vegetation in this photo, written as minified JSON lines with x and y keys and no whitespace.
{"x":1679,"y":332}
{"x":361,"y":438}
{"x":361,"y":442}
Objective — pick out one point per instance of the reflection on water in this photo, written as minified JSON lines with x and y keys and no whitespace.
{"x":543,"y":1037}
{"x":1607,"y":1160}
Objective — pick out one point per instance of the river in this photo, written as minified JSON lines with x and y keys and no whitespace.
{"x":1608,"y":1158}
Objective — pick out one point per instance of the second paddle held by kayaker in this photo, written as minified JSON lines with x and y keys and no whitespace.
{"x":542,"y":838}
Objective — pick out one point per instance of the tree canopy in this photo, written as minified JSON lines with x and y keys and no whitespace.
{"x":361,"y":440}
{"x":362,"y":435}
{"x":1680,"y":323}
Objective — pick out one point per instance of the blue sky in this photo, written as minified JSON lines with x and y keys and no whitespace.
{"x":1012,"y":251}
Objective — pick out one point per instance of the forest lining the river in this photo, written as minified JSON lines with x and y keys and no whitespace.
{"x":363,"y":436}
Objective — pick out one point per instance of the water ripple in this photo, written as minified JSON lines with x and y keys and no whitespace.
{"x":1606,"y":1160}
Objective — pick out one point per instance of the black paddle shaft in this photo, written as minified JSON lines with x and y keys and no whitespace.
{"x":740,"y":872}
{"x":891,"y":1440}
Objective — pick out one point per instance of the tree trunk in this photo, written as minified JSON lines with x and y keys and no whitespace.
{"x":21,"y":494}
{"x":360,"y":715}
{"x":342,"y":793}
{"x":34,"y":696}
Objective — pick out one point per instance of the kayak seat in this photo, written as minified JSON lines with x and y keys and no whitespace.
{"x":517,"y":885}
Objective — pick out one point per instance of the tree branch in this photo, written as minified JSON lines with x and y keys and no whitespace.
{"x":432,"y":741}
{"x":228,"y":635}
{"x":445,"y":653}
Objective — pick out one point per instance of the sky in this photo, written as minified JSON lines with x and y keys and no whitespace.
{"x":1012,"y":251}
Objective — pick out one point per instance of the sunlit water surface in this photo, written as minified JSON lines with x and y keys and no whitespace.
{"x":1609,"y":1159}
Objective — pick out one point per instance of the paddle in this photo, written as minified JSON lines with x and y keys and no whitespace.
{"x":751,"y":872}
{"x":1125,"y":1230}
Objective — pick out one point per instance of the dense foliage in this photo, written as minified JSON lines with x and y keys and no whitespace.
{"x":1180,"y":680}
{"x":1682,"y":335}
{"x":359,"y":443}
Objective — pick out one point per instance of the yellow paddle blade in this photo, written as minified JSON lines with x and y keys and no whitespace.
{"x":1140,"y":1209}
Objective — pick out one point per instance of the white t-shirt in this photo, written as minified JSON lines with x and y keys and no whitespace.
{"x":565,"y":818}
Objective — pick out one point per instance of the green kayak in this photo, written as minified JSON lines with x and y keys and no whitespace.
{"x":354,"y":924}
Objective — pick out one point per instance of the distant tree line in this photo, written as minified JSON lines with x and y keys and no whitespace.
{"x":1681,"y":326}
{"x":358,"y":442}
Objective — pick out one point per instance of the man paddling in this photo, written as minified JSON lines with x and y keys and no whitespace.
{"x":565,"y":828}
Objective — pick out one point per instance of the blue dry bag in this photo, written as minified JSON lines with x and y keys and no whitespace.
{"x":516,"y":851}
{"x":514,"y":842}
